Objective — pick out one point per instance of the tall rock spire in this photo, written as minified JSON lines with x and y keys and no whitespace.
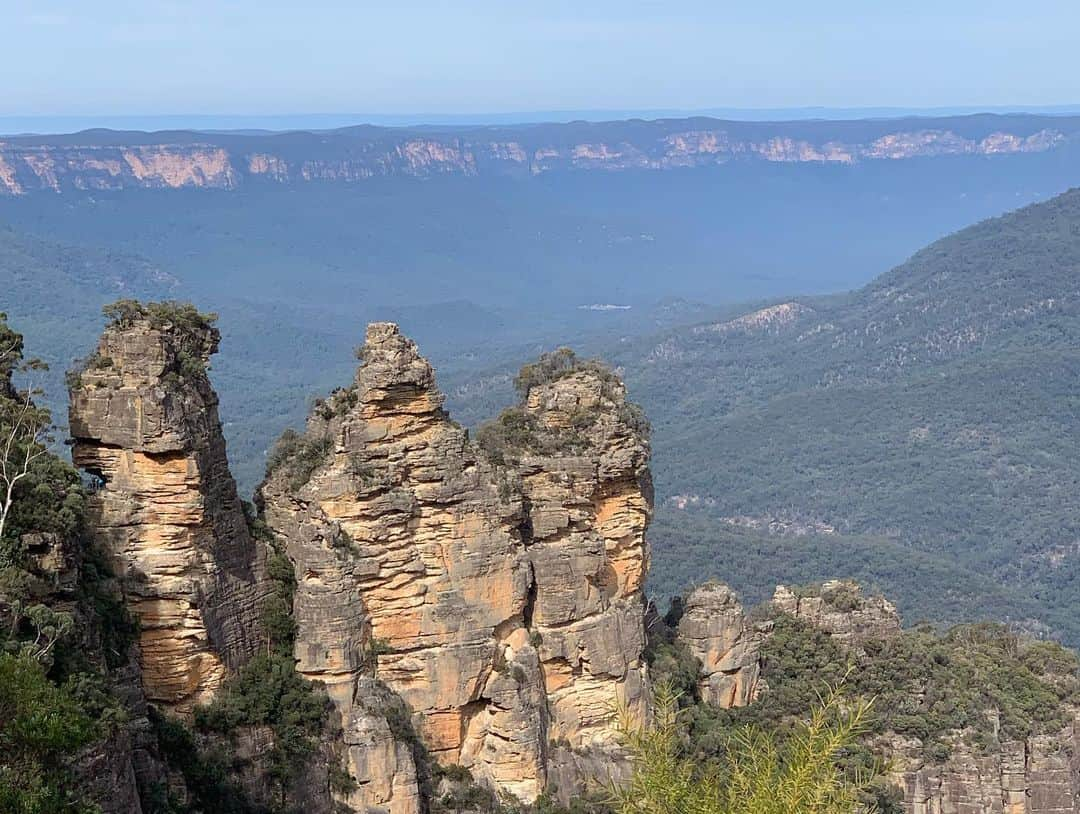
{"x":144,"y":421}
{"x":496,"y":592}
{"x":583,"y":464}
{"x":410,"y":568}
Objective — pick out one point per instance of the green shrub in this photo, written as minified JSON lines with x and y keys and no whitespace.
{"x":268,"y":691}
{"x":298,"y":456}
{"x":182,"y":315}
{"x":205,"y":771}
{"x":41,"y":727}
{"x":759,"y":773}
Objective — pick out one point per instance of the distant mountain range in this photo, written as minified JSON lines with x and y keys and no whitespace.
{"x":100,"y":160}
{"x":217,"y":122}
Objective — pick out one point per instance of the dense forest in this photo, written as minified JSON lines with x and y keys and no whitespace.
{"x":918,"y":433}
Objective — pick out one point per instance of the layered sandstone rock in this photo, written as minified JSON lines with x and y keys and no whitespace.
{"x":144,"y":421}
{"x":410,"y":567}
{"x":588,"y":491}
{"x":841,"y":610}
{"x":715,"y":630}
{"x":1038,"y":776}
{"x":501,"y":602}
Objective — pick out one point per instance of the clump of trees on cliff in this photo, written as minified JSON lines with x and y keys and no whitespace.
{"x":56,"y":643}
{"x":516,"y":431}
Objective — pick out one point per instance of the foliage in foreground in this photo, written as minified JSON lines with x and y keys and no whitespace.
{"x":760,"y":773}
{"x":41,"y":726}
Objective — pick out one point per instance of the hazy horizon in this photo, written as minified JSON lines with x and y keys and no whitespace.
{"x":15,"y":125}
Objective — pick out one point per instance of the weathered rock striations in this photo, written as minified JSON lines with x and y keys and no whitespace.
{"x":715,"y":630}
{"x":1038,"y":776}
{"x":410,"y":568}
{"x":144,"y":420}
{"x":501,"y":603}
{"x":588,"y":492}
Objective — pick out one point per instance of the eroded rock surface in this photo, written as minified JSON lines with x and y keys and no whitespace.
{"x":841,"y":610}
{"x":1037,"y":776}
{"x":499,"y":599}
{"x":144,"y":420}
{"x":588,"y":492}
{"x":716,"y":632}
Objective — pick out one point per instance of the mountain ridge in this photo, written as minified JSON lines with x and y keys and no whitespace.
{"x":934,"y":408}
{"x":99,"y":159}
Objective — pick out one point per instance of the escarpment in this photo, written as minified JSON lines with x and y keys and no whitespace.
{"x":144,"y":422}
{"x":496,"y":592}
{"x":93,"y":162}
{"x":956,"y":720}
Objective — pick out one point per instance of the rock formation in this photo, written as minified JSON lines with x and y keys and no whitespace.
{"x":841,"y":610}
{"x":500,"y":601}
{"x":715,"y":630}
{"x":1040,"y":775}
{"x":144,"y":421}
{"x":104,"y":161}
{"x":586,"y":483}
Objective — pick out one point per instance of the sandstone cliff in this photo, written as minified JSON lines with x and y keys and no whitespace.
{"x":100,"y":160}
{"x":1039,"y":774}
{"x":499,"y":600}
{"x":585,"y":480}
{"x":144,"y":421}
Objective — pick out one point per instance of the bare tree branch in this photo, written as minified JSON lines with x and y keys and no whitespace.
{"x":24,"y":431}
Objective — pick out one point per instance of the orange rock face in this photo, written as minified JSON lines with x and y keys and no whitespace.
{"x":167,"y":511}
{"x":501,"y":601}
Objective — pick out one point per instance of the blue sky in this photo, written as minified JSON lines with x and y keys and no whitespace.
{"x":114,"y":57}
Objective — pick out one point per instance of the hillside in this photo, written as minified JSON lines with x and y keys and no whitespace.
{"x":918,"y":433}
{"x":919,"y":428}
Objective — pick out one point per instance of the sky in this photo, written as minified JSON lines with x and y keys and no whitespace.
{"x":247,"y":57}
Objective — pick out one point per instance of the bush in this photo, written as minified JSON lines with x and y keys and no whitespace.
{"x":298,"y":456}
{"x":41,"y":727}
{"x":269,"y":692}
{"x":759,"y":773}
{"x":182,"y":315}
{"x":205,"y":772}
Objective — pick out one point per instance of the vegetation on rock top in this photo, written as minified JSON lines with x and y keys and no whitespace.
{"x":182,"y":316}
